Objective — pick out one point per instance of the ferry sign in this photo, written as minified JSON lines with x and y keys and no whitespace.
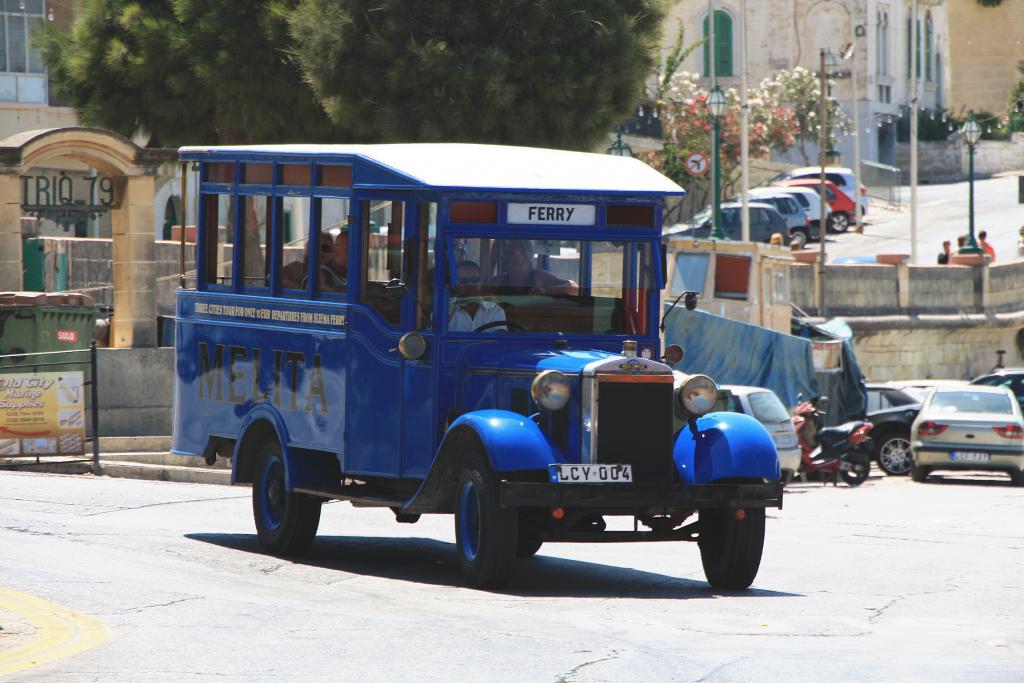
{"x":552,"y":214}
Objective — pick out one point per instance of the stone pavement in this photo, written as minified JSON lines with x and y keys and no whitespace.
{"x":138,"y":457}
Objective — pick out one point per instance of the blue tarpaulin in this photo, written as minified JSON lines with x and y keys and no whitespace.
{"x":731,"y":352}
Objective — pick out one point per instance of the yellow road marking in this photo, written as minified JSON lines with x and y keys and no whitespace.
{"x":59,"y":632}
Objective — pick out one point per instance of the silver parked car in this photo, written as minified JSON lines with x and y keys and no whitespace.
{"x":969,"y":428}
{"x":764,"y":406}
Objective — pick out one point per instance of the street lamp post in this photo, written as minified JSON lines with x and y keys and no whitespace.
{"x":620,"y":148}
{"x":972,"y":133}
{"x":827,"y":60}
{"x":716,"y":104}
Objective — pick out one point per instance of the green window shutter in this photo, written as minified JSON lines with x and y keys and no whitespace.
{"x":707,"y":47}
{"x":909,"y":43}
{"x":723,"y":38}
{"x":723,"y":45}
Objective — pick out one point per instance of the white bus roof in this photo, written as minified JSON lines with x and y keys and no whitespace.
{"x":491,"y":167}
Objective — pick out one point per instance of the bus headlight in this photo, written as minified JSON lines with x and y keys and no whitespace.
{"x":551,"y":390}
{"x":694,"y":394}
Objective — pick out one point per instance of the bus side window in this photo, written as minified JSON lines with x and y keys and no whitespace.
{"x":256,"y":229}
{"x":425,"y":266}
{"x":333,"y":245}
{"x":294,"y":241}
{"x":383,"y":258}
{"x":218,"y":231}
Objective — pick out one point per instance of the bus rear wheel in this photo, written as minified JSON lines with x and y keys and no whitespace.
{"x":286,"y":522}
{"x":486,"y":535}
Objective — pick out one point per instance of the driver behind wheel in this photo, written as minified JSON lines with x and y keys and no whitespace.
{"x":469,"y":310}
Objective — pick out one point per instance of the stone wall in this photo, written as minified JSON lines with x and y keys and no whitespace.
{"x":129,"y":405}
{"x":951,"y":348}
{"x":984,"y":48}
{"x":996,"y":156}
{"x":89,"y":268}
{"x":938,"y":161}
{"x":940,"y":289}
{"x":947,"y":160}
{"x":849,"y":288}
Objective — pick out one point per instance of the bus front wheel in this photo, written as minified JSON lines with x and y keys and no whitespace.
{"x":286,"y":522}
{"x":486,"y":535}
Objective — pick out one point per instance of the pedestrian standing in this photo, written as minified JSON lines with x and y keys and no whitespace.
{"x":944,"y":254}
{"x":1020,"y":243}
{"x":989,"y":251}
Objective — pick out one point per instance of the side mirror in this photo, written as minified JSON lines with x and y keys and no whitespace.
{"x":690,"y":300}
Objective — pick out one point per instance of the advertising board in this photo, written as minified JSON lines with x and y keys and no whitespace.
{"x":42,"y":414}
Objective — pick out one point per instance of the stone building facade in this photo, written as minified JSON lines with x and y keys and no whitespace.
{"x":783,"y":34}
{"x":985,"y":50}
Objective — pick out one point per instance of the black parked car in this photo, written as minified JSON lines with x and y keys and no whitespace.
{"x":1011,"y":378}
{"x":765,"y":221}
{"x":891,"y":411}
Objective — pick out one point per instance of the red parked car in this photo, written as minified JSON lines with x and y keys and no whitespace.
{"x":842,"y":206}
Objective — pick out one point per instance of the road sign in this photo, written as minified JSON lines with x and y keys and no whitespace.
{"x":697,"y":164}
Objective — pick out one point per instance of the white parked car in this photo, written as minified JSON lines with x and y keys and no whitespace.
{"x":973,"y":427}
{"x":841,"y":176}
{"x":765,"y":407}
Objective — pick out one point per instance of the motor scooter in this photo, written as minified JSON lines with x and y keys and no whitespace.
{"x":841,"y":451}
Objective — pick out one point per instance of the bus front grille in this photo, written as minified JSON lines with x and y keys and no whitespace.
{"x":634,"y":426}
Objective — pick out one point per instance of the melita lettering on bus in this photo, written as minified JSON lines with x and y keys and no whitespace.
{"x":235,"y":374}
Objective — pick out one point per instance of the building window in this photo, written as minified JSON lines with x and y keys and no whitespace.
{"x":928,"y":37}
{"x":885,"y":94}
{"x":723,"y":45}
{"x":882,"y":43}
{"x":22,"y":73}
{"x":910,"y":42}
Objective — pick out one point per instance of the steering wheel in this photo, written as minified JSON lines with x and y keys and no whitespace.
{"x":507,"y":324}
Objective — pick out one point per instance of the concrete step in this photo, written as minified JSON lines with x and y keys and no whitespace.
{"x":158,"y":472}
{"x":162,"y":458}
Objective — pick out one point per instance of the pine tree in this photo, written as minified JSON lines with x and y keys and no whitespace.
{"x":184,"y":71}
{"x":552,"y":73}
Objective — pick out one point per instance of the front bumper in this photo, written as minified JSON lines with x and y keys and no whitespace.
{"x":629,"y":498}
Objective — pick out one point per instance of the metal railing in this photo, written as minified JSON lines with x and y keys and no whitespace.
{"x":75,"y":358}
{"x":882,"y":181}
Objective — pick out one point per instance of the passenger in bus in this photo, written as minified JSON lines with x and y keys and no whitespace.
{"x":469,"y":310}
{"x":334,"y":263}
{"x":518,"y":275}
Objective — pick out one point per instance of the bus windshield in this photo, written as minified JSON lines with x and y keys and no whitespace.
{"x":560,"y":286}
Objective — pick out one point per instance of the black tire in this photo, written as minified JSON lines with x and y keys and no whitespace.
{"x":919,"y":474}
{"x":838,"y":221}
{"x":892,"y":452}
{"x":798,"y":238}
{"x":858,"y":472}
{"x":528,"y":542}
{"x":1017,"y":477}
{"x":486,"y":535}
{"x":286,"y":522}
{"x":730,"y":548}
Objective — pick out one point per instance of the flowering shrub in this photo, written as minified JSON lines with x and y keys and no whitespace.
{"x":783,"y":114}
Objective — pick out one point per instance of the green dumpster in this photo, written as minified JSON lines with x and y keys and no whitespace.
{"x":40,"y":321}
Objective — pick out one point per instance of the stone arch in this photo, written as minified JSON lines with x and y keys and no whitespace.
{"x":134,"y":171}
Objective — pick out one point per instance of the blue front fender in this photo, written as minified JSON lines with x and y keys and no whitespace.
{"x":512,"y":441}
{"x":726,"y":445}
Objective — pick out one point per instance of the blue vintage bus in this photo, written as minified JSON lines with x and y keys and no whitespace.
{"x":459,"y":329}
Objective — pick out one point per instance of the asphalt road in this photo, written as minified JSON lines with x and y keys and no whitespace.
{"x":124,"y":580}
{"x":942,"y":215}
